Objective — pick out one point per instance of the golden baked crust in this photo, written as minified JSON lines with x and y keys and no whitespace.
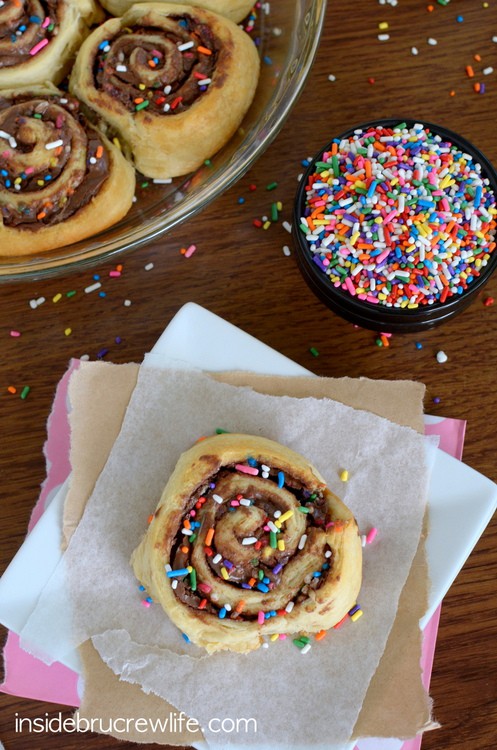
{"x":235,"y":10}
{"x":57,"y":38}
{"x":321,"y":563}
{"x":173,"y":123}
{"x":55,"y":195}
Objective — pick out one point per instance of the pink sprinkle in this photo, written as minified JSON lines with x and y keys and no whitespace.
{"x":382,"y":256}
{"x":34,"y":50}
{"x":235,"y":503}
{"x":390,"y":216}
{"x":46,"y":22}
{"x":247,"y":469}
{"x":371,"y":535}
{"x":114,"y":274}
{"x":190,"y":250}
{"x":349,"y":285}
{"x":260,"y":617}
{"x":282,"y":636}
{"x":204,"y":588}
{"x":15,"y":334}
{"x":29,"y":170}
{"x":5,"y":154}
{"x":330,"y":523}
{"x":59,"y":121}
{"x":145,"y":603}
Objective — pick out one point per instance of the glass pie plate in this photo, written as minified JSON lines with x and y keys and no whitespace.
{"x":287,"y":33}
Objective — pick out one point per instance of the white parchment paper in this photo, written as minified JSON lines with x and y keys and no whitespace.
{"x":296,"y":700}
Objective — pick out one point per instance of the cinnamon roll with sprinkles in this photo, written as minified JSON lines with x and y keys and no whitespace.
{"x":247,"y":541}
{"x":61,"y":180}
{"x":39,"y":38}
{"x":173,"y":82}
{"x":236,"y":10}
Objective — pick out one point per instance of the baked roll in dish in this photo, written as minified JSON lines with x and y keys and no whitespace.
{"x":236,"y":10}
{"x":172,"y":81}
{"x":61,"y":180}
{"x":247,"y":541}
{"x":39,"y":38}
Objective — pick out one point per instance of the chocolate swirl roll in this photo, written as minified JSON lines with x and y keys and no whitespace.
{"x":61,"y":180}
{"x":39,"y":38}
{"x":247,"y":541}
{"x":235,"y":10}
{"x":173,"y":82}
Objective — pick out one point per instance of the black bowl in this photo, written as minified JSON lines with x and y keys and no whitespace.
{"x":380,"y":317}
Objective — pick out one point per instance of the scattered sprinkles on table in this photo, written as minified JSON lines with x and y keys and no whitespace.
{"x":399,"y":216}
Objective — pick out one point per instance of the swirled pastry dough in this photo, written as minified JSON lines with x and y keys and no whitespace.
{"x":247,"y":541}
{"x":61,"y":180}
{"x":173,"y":81}
{"x":235,"y":10}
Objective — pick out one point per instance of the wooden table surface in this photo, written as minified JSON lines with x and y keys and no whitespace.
{"x":240,"y":273}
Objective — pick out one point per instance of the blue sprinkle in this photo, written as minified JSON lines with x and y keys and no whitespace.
{"x":149,"y":599}
{"x":185,"y":637}
{"x":35,"y":19}
{"x":316,"y":574}
{"x":251,"y":461}
{"x":241,"y":200}
{"x":222,"y":613}
{"x":262,"y":587}
{"x":418,"y":345}
{"x":141,"y":588}
{"x":266,"y":580}
{"x":281,"y":479}
{"x":267,"y":60}
{"x":267,"y":615}
{"x":246,"y":586}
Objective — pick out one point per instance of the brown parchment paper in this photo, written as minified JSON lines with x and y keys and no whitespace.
{"x":396,"y":704}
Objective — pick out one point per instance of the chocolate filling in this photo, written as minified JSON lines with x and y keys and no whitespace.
{"x":144,"y":67}
{"x":51,"y":190}
{"x":23,"y":26}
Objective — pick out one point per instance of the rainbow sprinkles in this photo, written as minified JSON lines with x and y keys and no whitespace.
{"x":399,"y":216}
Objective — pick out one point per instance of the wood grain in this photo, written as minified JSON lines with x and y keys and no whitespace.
{"x":240,"y":273}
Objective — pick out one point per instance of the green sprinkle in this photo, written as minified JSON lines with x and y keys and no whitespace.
{"x":274,"y":212}
{"x":260,"y":574}
{"x":272,"y":540}
{"x":314,"y":351}
{"x":37,"y":115}
{"x":192,"y":538}
{"x":313,"y":496}
{"x":272,"y":186}
{"x":400,"y":126}
{"x":142,"y":105}
{"x":144,"y":184}
{"x":299,"y":643}
{"x":303,"y":509}
{"x":254,"y":562}
{"x":304,"y":639}
{"x":208,"y":163}
{"x":25,"y":391}
{"x":193,"y":580}
{"x":335,"y":165}
{"x":220,"y":431}
{"x":71,"y":293}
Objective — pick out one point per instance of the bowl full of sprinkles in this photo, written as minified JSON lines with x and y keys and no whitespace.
{"x":395,"y":224}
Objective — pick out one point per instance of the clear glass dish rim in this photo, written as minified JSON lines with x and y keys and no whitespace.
{"x":283,"y":99}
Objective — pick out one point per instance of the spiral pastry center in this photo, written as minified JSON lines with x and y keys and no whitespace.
{"x":25,"y":29}
{"x":252,"y":544}
{"x":51,"y":163}
{"x":163,"y":69}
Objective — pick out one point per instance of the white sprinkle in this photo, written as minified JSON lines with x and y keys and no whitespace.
{"x":432,"y":41}
{"x":165,"y":181}
{"x":93,"y":287}
{"x":286,"y":250}
{"x":63,"y":101}
{"x":487,"y":71}
{"x":306,"y":648}
{"x":264,"y":467}
{"x":148,"y":267}
{"x":204,"y":81}
{"x":218,"y":499}
{"x":383,"y":37}
{"x":363,"y":540}
{"x":277,"y":31}
{"x":85,"y":358}
{"x":167,"y":567}
{"x":265,"y":474}
{"x":249,"y":540}
{"x":187,"y":532}
{"x":167,"y":89}
{"x":414,"y":50}
{"x":442,"y":357}
{"x":217,"y":559}
{"x":289,"y":607}
{"x":327,"y":554}
{"x":127,"y":303}
{"x":273,"y":527}
{"x":227,"y":607}
{"x":245,"y":501}
{"x":265,"y":645}
{"x":303,"y":540}
{"x":166,"y":107}
{"x":92,"y":160}
{"x":185,"y":45}
{"x":10,"y":138}
{"x":286,"y":225}
{"x":121,"y":68}
{"x":277,"y":513}
{"x":494,"y":39}
{"x":32,"y":302}
{"x":331,"y":77}
{"x":174,"y":583}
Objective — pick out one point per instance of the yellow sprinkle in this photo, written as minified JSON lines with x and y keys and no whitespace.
{"x":189,"y":568}
{"x":68,"y":331}
{"x":285,"y":516}
{"x":279,"y":205}
{"x":266,"y":225}
{"x":117,"y":143}
{"x":383,"y":25}
{"x":281,"y":545}
{"x":40,"y":182}
{"x":355,"y":237}
{"x":344,"y":475}
{"x":142,"y":86}
{"x":57,"y":297}
{"x":17,"y":180}
{"x":274,"y":637}
{"x":224,"y":573}
{"x":356,"y":615}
